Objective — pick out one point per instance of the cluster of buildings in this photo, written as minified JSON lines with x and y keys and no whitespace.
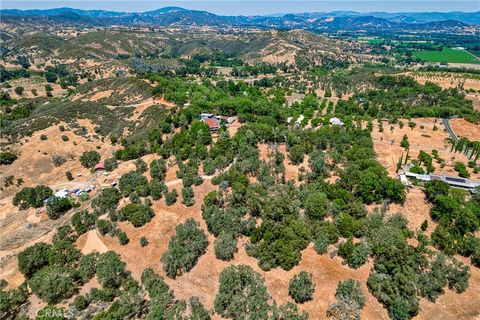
{"x":214,"y":122}
{"x":333,"y":121}
{"x":64,"y":193}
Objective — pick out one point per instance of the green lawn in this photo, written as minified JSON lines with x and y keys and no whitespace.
{"x":446,"y":55}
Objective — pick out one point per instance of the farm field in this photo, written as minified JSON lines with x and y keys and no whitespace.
{"x":447,"y":55}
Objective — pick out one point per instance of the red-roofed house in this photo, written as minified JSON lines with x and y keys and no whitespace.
{"x":212,"y":124}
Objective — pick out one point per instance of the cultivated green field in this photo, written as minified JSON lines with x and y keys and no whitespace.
{"x":446,"y":55}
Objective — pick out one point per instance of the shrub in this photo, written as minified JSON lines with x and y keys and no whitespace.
{"x":65,"y":138}
{"x":54,"y":283}
{"x":316,"y":205}
{"x":301,"y":287}
{"x":69,"y":175}
{"x":43,"y":137}
{"x":33,"y":259}
{"x":225,"y":246}
{"x":89,"y":159}
{"x":110,"y":164}
{"x":171,"y":197}
{"x":82,"y":221}
{"x":80,"y":303}
{"x":7,"y":158}
{"x":354,"y":255}
{"x":110,"y":270}
{"x":184,"y":248}
{"x":242,"y":294}
{"x":107,"y":200}
{"x":87,"y":266}
{"x":350,"y":290}
{"x":58,"y":206}
{"x":187,"y":196}
{"x":123,"y":238}
{"x":19,"y":90}
{"x":137,"y":214}
{"x":143,"y":242}
{"x":461,"y":169}
{"x":32,"y":197}
{"x":133,"y":182}
{"x":104,"y":226}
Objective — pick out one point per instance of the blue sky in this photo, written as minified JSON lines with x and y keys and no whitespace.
{"x":251,"y":7}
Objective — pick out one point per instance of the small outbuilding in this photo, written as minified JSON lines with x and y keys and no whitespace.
{"x":336,"y":122}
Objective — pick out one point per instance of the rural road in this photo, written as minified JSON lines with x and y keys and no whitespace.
{"x":446,"y":123}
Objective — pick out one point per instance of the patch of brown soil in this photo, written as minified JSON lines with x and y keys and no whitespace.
{"x":101,"y":95}
{"x":475,"y":98}
{"x":387,"y":144}
{"x":463,"y":128}
{"x":415,"y":209}
{"x":35,"y":165}
{"x":92,"y":243}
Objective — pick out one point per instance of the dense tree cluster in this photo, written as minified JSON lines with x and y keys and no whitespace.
{"x":457,"y":218}
{"x":184,"y":249}
{"x":32,"y":197}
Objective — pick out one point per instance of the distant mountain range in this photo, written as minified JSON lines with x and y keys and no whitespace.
{"x":317,"y":21}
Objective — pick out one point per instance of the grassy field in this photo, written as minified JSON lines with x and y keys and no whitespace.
{"x":446,"y":55}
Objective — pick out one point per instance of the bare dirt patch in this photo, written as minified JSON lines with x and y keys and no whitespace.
{"x":422,"y":137}
{"x":463,"y":128}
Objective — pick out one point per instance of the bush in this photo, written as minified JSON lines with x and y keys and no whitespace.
{"x":137,"y":214}
{"x":354,"y":255}
{"x":69,"y":175}
{"x":242,"y":294}
{"x":33,"y":258}
{"x":87,"y":266}
{"x":80,"y":303}
{"x":58,"y":206}
{"x":184,"y":249}
{"x":82,"y":221}
{"x":104,"y":226}
{"x":316,"y":205}
{"x":187,"y":196}
{"x":65,"y":138}
{"x":225,"y":246}
{"x":133,"y":182}
{"x":301,"y":287}
{"x":171,"y":197}
{"x":350,"y":300}
{"x":461,"y":169}
{"x":7,"y":158}
{"x":143,"y":242}
{"x":89,"y":159}
{"x":110,"y":164}
{"x":54,"y":283}
{"x":32,"y":197}
{"x":43,"y":137}
{"x":123,"y":238}
{"x":350,"y":290}
{"x":110,"y":270}
{"x":19,"y":90}
{"x":107,"y":200}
